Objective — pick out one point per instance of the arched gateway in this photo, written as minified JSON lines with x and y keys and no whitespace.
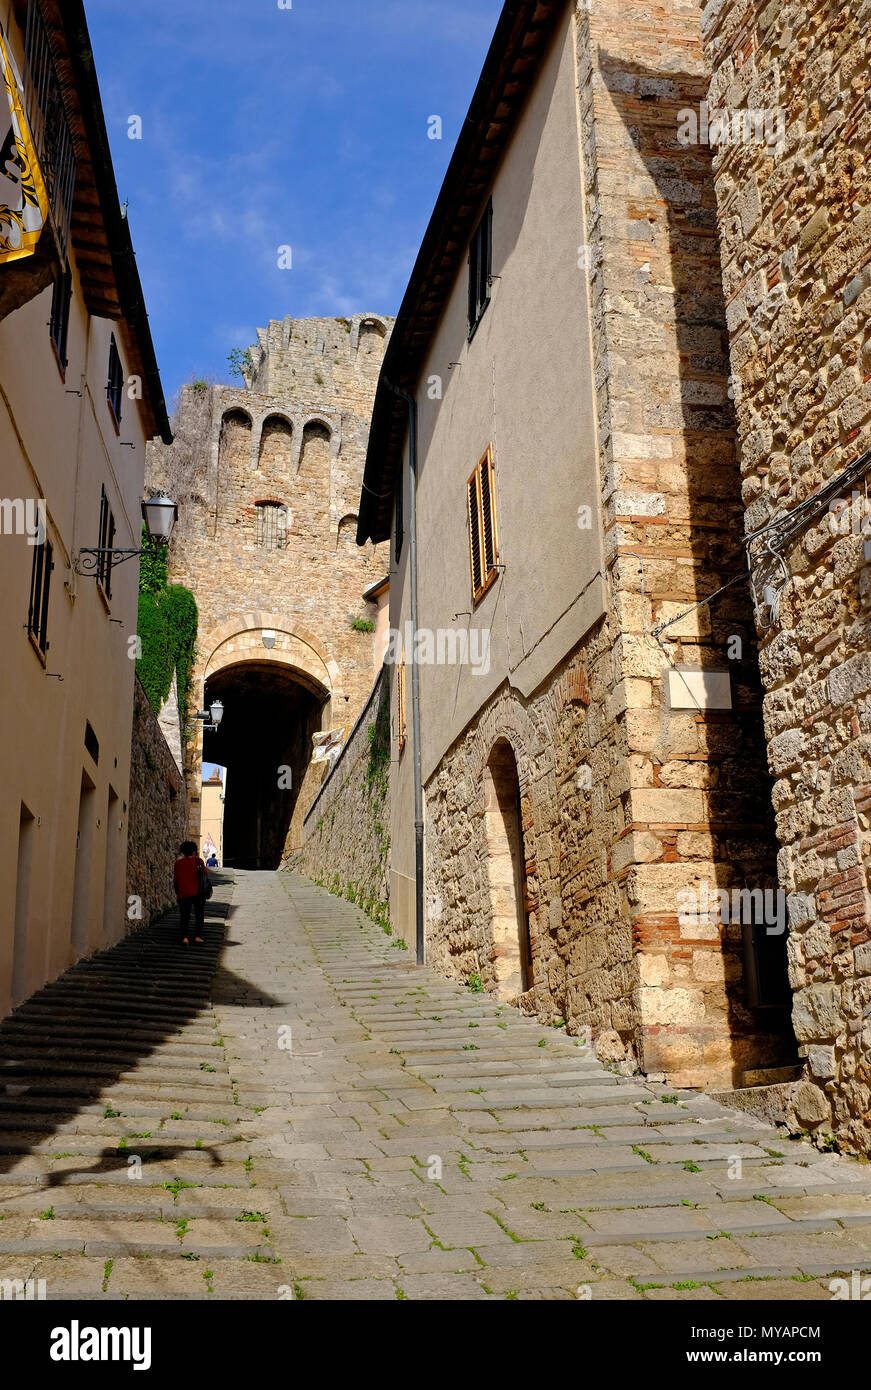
{"x":277,"y":683}
{"x":266,"y":475}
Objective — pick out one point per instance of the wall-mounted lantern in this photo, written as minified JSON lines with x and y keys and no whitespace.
{"x":159,"y":514}
{"x":211,"y":718}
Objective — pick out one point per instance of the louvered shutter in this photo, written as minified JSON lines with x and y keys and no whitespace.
{"x":488,"y":531}
{"x":475,"y":534}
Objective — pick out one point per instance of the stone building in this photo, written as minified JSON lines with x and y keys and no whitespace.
{"x":592,"y":772}
{"x":79,"y":396}
{"x":270,"y":475}
{"x":793,"y":192}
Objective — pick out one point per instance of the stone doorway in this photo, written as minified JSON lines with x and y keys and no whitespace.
{"x":265,"y":743}
{"x":506,"y":867}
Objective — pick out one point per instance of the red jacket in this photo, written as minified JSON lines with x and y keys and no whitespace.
{"x":186,"y":876}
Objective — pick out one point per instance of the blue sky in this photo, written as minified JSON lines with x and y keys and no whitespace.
{"x":263,"y":128}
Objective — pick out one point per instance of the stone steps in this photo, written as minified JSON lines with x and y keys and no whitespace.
{"x":326,"y":1149}
{"x":91,"y":1071}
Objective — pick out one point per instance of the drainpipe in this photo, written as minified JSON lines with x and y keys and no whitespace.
{"x":415,"y":674}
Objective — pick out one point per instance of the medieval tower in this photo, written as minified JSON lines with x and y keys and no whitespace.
{"x":268,"y":476}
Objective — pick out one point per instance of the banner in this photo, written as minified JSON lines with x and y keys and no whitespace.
{"x":23,"y":196}
{"x":328,"y":746}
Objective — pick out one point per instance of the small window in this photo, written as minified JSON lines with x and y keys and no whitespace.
{"x":106,"y":543}
{"x":480,"y":269}
{"x":40,"y":584}
{"x":401,"y":730}
{"x":271,"y":526}
{"x":92,"y":743}
{"x":483,"y":536}
{"x":115,"y":384}
{"x":60,"y":314}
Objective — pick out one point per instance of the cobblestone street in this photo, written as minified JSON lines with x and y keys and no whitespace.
{"x":298,"y":1111}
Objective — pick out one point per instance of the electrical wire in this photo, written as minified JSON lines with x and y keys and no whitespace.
{"x":786,"y":529}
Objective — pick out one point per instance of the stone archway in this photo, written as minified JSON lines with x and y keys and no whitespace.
{"x":242,"y":639}
{"x":505,"y":722}
{"x":277,"y":683}
{"x":506,"y":873}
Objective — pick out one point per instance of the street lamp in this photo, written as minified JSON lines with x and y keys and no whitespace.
{"x":211,"y":718}
{"x":159,"y":514}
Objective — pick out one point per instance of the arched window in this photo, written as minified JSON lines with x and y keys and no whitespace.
{"x":316,"y":443}
{"x":270,"y":525}
{"x":347,"y":533}
{"x":372,"y":335}
{"x":236,"y":440}
{"x":276,"y":445}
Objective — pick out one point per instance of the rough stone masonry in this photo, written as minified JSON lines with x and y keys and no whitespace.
{"x":674,"y":798}
{"x":795,"y":234}
{"x":268,"y":474}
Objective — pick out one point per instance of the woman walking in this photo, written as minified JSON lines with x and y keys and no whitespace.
{"x":191,"y":889}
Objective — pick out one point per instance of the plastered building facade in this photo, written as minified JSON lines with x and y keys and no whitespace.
{"x":591,"y":775}
{"x":79,"y":397}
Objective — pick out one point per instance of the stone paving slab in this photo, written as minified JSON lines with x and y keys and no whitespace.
{"x":414,"y":1141}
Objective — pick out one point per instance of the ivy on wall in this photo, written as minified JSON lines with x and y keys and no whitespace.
{"x":377,"y":775}
{"x":167,"y":629}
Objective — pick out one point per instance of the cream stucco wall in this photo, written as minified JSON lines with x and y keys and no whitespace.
{"x":524,"y":384}
{"x":212,"y":819}
{"x":58,"y":441}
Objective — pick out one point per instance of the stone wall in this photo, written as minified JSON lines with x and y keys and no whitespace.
{"x":675,"y":799}
{"x":333,"y":361}
{"x":157,"y":816}
{"x":346,"y":835}
{"x":286,"y":449}
{"x":795,"y":232}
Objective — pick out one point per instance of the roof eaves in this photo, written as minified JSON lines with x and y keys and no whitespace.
{"x":131,"y":301}
{"x":521,"y":38}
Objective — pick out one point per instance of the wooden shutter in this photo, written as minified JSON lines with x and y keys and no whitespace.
{"x":475,"y":534}
{"x":401,"y":733}
{"x":480,"y":268}
{"x":488,"y":517}
{"x":40,"y":585}
{"x":483,"y":536}
{"x":107,"y":541}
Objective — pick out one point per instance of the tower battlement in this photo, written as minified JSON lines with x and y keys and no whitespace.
{"x":324,"y":359}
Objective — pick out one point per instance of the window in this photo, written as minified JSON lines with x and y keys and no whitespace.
{"x":105,"y":543}
{"x":60,"y":314}
{"x":92,"y":743}
{"x":40,"y":583}
{"x":115,"y":384}
{"x":480,"y":269}
{"x":483,"y":536}
{"x":271,"y":526}
{"x":401,"y":731}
